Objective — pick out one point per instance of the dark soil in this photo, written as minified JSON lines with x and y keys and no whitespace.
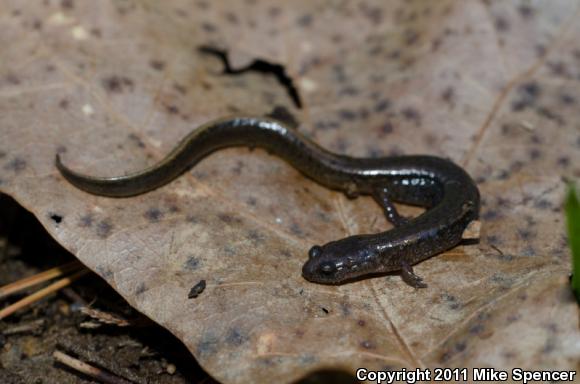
{"x":140,"y":353}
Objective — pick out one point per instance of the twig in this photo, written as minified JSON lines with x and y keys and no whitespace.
{"x":105,"y":317}
{"x":88,"y":369}
{"x":32,"y":326}
{"x":41,"y":293}
{"x":38,"y":278}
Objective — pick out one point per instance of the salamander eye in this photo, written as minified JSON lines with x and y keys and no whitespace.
{"x":327,"y":268}
{"x":315,"y":251}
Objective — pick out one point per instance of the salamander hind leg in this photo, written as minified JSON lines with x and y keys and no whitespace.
{"x":381,"y":196}
{"x":410,"y":277}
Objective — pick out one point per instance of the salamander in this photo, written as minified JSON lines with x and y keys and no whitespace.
{"x":448,"y":193}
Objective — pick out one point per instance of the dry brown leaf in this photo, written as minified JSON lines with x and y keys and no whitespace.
{"x":113,"y":85}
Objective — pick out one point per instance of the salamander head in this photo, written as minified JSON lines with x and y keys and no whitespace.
{"x":339,"y":261}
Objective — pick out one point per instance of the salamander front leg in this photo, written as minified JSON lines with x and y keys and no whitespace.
{"x":381,"y":196}
{"x":409,"y":276}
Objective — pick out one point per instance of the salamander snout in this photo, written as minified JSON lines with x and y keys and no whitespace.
{"x":320,"y":268}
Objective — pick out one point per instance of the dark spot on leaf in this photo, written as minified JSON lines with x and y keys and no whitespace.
{"x":411,"y":37}
{"x":490,"y":215}
{"x":304,"y":20}
{"x":549,"y":114}
{"x":231,"y":17}
{"x":345,"y":309}
{"x":526,"y":11}
{"x":192,"y":263}
{"x":458,"y":347}
{"x":229,"y":250}
{"x":228,"y":219}
{"x":86,"y":220}
{"x":503,"y":174}
{"x":172,"y":109}
{"x":363,"y":113}
{"x":567,"y":99}
{"x":137,"y":140}
{"x":141,"y":288}
{"x":67,"y":4}
{"x":535,"y":139}
{"x":237,"y":169}
{"x":563,"y":161}
{"x":503,"y":202}
{"x":516,"y":166}
{"x":117,"y":84}
{"x":207,"y":345}
{"x":373,"y":14}
{"x":208,"y":27}
{"x":534,"y":154}
{"x":13,"y":79}
{"x":411,"y":114}
{"x":452,"y":301}
{"x":180,"y":88}
{"x":501,"y":24}
{"x":17,"y":164}
{"x":501,"y":280}
{"x":528,"y":93}
{"x":192,"y":219}
{"x":525,"y":234}
{"x":104,"y":228}
{"x":235,"y":337}
{"x":540,"y":50}
{"x":326,"y":125}
{"x":158,"y":65}
{"x":348,"y":90}
{"x":153,"y":215}
{"x":528,"y":251}
{"x":436,"y":44}
{"x":55,"y":217}
{"x":382,"y":105}
{"x":296,"y":230}
{"x":558,"y":69}
{"x":255,"y":236}
{"x":347,"y":114}
{"x":448,"y":95}
{"x":494,"y":240}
